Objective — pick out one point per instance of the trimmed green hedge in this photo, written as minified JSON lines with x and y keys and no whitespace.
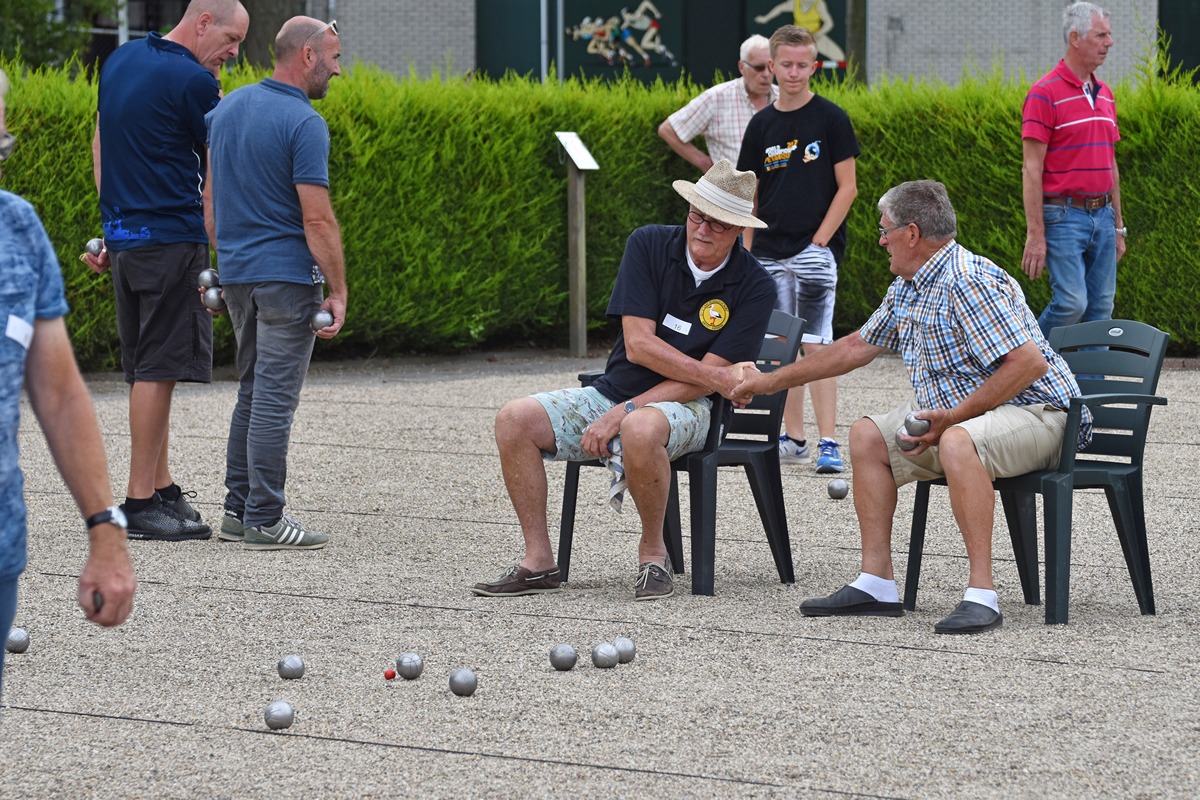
{"x":451,"y":194}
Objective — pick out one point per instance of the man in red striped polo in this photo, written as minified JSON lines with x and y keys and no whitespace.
{"x":1072,"y":192}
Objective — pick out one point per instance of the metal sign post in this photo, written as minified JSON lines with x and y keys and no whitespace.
{"x":578,"y":160}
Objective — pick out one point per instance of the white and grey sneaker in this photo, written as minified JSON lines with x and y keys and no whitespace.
{"x":792,"y":452}
{"x":285,"y":534}
{"x":232,"y":529}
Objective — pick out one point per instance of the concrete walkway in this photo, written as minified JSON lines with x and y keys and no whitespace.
{"x":732,"y":695}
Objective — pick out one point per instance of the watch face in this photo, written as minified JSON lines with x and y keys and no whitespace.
{"x":630,"y":406}
{"x":118,"y":516}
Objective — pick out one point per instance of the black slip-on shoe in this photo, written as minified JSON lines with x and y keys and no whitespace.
{"x":970,"y":617}
{"x":849,"y":602}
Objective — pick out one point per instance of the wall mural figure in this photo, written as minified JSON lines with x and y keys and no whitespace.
{"x":813,"y":15}
{"x":629,"y":38}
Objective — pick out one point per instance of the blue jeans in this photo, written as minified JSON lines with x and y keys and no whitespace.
{"x":274,"y":346}
{"x":1081,"y":257}
{"x":8,"y":611}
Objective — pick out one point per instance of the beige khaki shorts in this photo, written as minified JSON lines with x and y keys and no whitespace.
{"x":1011,"y":440}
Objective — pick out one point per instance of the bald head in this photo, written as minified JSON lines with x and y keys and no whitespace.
{"x":294,"y":34}
{"x":222,"y":11}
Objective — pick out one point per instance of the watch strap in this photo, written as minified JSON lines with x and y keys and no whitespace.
{"x":111,"y":514}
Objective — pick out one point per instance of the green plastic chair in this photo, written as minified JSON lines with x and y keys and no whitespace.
{"x":751,"y":441}
{"x":1117,"y":363}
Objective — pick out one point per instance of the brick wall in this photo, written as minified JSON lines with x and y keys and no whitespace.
{"x":397,"y":35}
{"x":941,"y":38}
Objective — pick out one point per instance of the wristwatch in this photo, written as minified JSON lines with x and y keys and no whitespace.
{"x":630,"y":406}
{"x":1123,"y":232}
{"x":112,"y":514}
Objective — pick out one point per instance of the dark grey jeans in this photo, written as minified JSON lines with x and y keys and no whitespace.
{"x":274,"y":346}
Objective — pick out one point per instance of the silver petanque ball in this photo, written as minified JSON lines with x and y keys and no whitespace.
{"x":321,"y":319}
{"x":605,"y":656}
{"x":209,"y":278}
{"x":18,"y":640}
{"x":409,"y":666}
{"x":915,"y":425}
{"x":94,"y":246}
{"x":291,"y":667}
{"x":279,"y":715}
{"x":838,"y":488}
{"x":213,"y":299}
{"x":563,"y":657}
{"x":903,"y":445}
{"x":626,"y":649}
{"x":462,"y":682}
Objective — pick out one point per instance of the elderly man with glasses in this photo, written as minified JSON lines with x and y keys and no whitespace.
{"x":691,"y":302}
{"x":985,"y":379}
{"x":278,"y":243}
{"x":36,"y":354}
{"x":721,"y":113}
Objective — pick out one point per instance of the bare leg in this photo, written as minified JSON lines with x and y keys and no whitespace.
{"x":793,"y":413}
{"x":644,"y":436}
{"x":149,"y":423}
{"x":824,"y":399}
{"x":523,"y":433}
{"x":972,"y":500}
{"x":874,"y":497}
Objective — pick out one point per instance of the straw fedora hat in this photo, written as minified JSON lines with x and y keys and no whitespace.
{"x":723,"y":194}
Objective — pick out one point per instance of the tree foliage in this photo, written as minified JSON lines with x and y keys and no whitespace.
{"x":40,"y":35}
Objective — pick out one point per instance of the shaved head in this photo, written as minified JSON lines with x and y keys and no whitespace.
{"x":221,"y":10}
{"x":293,"y":35}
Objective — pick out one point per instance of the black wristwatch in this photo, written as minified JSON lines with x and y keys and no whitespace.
{"x":630,"y":406}
{"x":112,"y":514}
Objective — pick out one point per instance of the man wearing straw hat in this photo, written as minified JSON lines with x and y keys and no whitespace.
{"x":692,"y":303}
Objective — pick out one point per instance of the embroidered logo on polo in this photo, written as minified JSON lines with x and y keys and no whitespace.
{"x":813,"y":151}
{"x":714,"y":314}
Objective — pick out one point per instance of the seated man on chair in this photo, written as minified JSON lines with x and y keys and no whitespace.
{"x":994,"y":393}
{"x":692,"y":303}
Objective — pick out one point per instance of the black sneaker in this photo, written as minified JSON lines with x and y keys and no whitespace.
{"x":182,"y":507}
{"x":159,"y":522}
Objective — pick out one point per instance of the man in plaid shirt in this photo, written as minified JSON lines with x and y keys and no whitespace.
{"x":720,"y":114}
{"x":984,"y":377}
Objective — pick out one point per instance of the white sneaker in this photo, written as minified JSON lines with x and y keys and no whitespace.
{"x":791,"y":452}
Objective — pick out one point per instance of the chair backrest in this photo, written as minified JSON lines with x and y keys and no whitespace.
{"x":764,"y":416}
{"x":1114,"y":356}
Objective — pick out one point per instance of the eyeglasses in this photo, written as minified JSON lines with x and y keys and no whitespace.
{"x":755,"y":67}
{"x":7,"y":143}
{"x":713,"y":225}
{"x":885,"y":231}
{"x":329,"y":26}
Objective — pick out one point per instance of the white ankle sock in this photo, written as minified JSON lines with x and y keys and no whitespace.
{"x":882,"y":590}
{"x":985,"y":597}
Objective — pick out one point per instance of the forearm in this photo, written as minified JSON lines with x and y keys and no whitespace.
{"x":688,"y":151}
{"x":845,"y":355}
{"x":324,"y":239}
{"x":835,"y":215}
{"x":1018,"y":370}
{"x":686,"y":377}
{"x":96,"y":155}
{"x":1118,"y":218}
{"x":1031,"y":197}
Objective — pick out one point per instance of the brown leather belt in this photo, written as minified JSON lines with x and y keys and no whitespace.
{"x":1089,"y":203}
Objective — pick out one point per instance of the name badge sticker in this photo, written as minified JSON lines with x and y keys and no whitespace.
{"x":676,"y":324}
{"x":19,"y":331}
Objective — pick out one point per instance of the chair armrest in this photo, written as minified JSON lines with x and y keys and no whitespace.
{"x":588,"y":377}
{"x":1066,"y":459}
{"x":1118,"y":399}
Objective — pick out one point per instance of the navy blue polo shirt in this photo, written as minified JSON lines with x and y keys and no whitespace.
{"x":152,"y":100}
{"x":726,"y":314}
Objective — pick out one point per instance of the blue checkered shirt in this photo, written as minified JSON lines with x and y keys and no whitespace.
{"x":954,"y":321}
